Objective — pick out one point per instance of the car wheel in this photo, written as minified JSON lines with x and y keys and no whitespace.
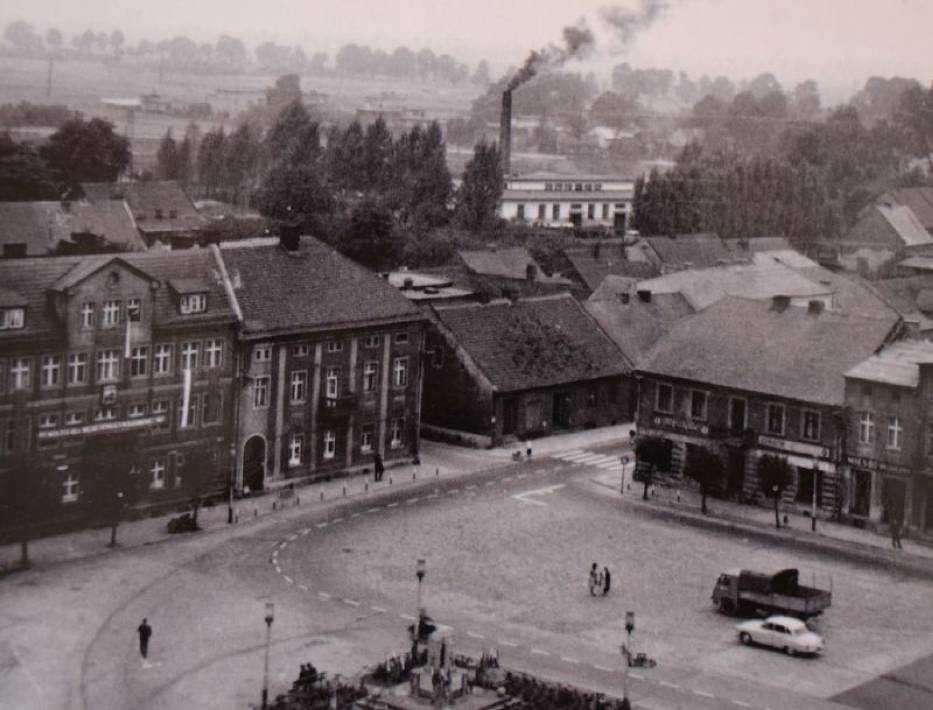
{"x":789,"y":651}
{"x":745,"y":638}
{"x":726,"y":606}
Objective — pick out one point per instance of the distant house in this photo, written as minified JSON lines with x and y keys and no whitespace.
{"x":162,"y":210}
{"x":509,"y":272}
{"x":424,"y":288}
{"x":685,"y":251}
{"x":552,"y":200}
{"x":508,"y":370}
{"x":596,"y":263}
{"x":45,"y":228}
{"x":889,"y":229}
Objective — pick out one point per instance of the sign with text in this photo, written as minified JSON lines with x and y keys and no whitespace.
{"x":868,"y":464}
{"x":797,"y":447}
{"x":103,"y":427}
{"x":681,"y":425}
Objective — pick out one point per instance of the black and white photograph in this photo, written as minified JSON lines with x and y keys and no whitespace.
{"x":491,"y":355}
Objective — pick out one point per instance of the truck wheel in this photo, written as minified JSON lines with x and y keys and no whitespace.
{"x":745,"y":638}
{"x":789,"y":650}
{"x":726,"y":607}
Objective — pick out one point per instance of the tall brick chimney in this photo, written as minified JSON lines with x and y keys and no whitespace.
{"x":505,"y":132}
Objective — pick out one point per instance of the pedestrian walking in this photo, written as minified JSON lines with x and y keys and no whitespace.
{"x":145,"y":632}
{"x":594,"y":579}
{"x":606,"y":580}
{"x":896,"y":534}
{"x":378,"y":467}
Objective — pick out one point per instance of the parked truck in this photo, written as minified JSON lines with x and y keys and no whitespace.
{"x":746,"y":593}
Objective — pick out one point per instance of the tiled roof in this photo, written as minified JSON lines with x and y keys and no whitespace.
{"x":752,"y":346}
{"x":898,"y":294}
{"x":532,"y":343}
{"x":918,"y":199}
{"x":918,"y":263}
{"x":637,"y":325}
{"x":895,"y":364}
{"x":314,"y":288}
{"x":698,"y":250}
{"x":611,"y":261}
{"x":32,"y":278}
{"x":509,"y":263}
{"x":146,"y":199}
{"x":43,"y":225}
{"x":754,"y":245}
{"x":905,"y":223}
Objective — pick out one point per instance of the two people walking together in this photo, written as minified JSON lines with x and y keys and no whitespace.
{"x":600,"y":580}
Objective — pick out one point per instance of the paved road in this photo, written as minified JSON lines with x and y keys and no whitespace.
{"x":507,"y":555}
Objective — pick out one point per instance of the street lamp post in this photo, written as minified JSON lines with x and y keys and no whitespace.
{"x":231,"y":482}
{"x":420,"y":570}
{"x":270,"y":617}
{"x":626,"y":657}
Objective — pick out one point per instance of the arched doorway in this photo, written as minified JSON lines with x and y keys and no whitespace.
{"x":254,"y":462}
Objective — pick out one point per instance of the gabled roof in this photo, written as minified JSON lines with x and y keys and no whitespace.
{"x":533,"y":343}
{"x":752,"y":346}
{"x":753,"y":245}
{"x":149,"y":199}
{"x":509,"y":263}
{"x":698,"y":250}
{"x":896,"y":364}
{"x":610,"y":261}
{"x":918,"y":199}
{"x":904,"y":222}
{"x":314,"y":288}
{"x":42,"y":226}
{"x":89,"y":266}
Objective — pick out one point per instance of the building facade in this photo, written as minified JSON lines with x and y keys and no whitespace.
{"x":329,"y":363}
{"x":568,"y":201}
{"x":135,"y":349}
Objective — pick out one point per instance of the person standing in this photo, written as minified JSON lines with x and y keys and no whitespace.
{"x":606,"y":580}
{"x":594,"y":579}
{"x":896,"y":534}
{"x":145,"y":633}
{"x":378,"y":467}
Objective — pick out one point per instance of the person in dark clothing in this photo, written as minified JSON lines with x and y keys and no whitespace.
{"x":145,"y":632}
{"x":606,"y":581}
{"x":594,"y":579}
{"x":896,"y":534}
{"x":378,"y":467}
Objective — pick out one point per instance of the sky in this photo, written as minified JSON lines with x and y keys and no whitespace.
{"x":837,"y":42}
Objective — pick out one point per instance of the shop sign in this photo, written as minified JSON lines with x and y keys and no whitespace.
{"x":868,"y":464}
{"x":685,"y":425}
{"x":796,"y":447}
{"x":102,"y":427}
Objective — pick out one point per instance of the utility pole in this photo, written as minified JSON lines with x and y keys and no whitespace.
{"x":48,"y":83}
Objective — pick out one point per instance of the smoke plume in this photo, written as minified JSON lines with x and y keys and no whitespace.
{"x":577,"y":40}
{"x":628,"y":23}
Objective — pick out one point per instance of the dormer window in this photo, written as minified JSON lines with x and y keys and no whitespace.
{"x":12,"y":318}
{"x":193,"y":303}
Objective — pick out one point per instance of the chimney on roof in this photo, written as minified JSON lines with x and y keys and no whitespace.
{"x":644,"y":295}
{"x":290,"y":237}
{"x":780,"y":303}
{"x":815,"y":307}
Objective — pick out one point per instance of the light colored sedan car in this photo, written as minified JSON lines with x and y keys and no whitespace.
{"x":784,"y":632}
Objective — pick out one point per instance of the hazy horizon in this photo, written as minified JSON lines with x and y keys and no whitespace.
{"x":836,"y":42}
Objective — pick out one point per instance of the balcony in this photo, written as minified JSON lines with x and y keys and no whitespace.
{"x":339,"y":407}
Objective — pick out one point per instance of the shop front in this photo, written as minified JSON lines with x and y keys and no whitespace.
{"x":879,"y":491}
{"x":815,"y":485}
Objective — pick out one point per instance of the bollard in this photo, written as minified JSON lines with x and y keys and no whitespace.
{"x":322,"y":496}
{"x":297,"y":501}
{"x":273,"y":505}
{"x":255,"y":512}
{"x":365,"y":488}
{"x":390,"y":480}
{"x":413,"y":475}
{"x":437,"y":472}
{"x":344,"y":491}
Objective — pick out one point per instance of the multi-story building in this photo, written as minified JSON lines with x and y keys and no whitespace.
{"x":568,"y":200}
{"x":889,"y":398}
{"x":329,"y":362}
{"x":134,"y":344}
{"x":744,"y":378}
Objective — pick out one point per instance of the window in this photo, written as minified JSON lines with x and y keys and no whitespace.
{"x":70,"y":488}
{"x":372,"y":341}
{"x":542,"y":212}
{"x":74,"y":419}
{"x":157,"y":474}
{"x":262,"y":353}
{"x":401,"y":338}
{"x":299,"y":386}
{"x":366,"y":438}
{"x":866,"y":427}
{"x":591,"y":211}
{"x":193,"y":303}
{"x":811,"y":425}
{"x":400,"y":372}
{"x":894,"y":433}
{"x":192,"y":421}
{"x":332,"y":382}
{"x":77,"y":368}
{"x":110,"y":314}
{"x":51,"y":370}
{"x":606,"y":210}
{"x":261,"y":392}
{"x":189,"y":355}
{"x":213,"y":353}
{"x":664,"y":398}
{"x":105,"y":414}
{"x":928,"y":390}
{"x":775,"y":420}
{"x":160,"y":410}
{"x":736,"y":415}
{"x":300,"y":350}
{"x":370,"y":376}
{"x":520,"y":212}
{"x":334,"y":346}
{"x":929,"y":439}
{"x":396,"y":433}
{"x":211,"y":407}
{"x":295,"y":442}
{"x":87,"y":315}
{"x":163,"y":360}
{"x":108,"y":366}
{"x":139,"y":361}
{"x":20,"y":373}
{"x":134,"y":310}
{"x":48,"y":421}
{"x":698,"y":404}
{"x":330,"y":444}
{"x":555,"y":212}
{"x":12,"y":318}
{"x":134,"y":411}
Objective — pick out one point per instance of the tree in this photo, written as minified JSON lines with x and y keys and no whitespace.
{"x":290,"y":135}
{"x":116,"y":42}
{"x":53,"y":39}
{"x":481,"y":75}
{"x":294,"y":194}
{"x":806,"y":100}
{"x":287,"y":90}
{"x":22,"y":37}
{"x":167,"y":158}
{"x":371,"y":237}
{"x":183,"y":160}
{"x":210,"y":161}
{"x":914,"y":114}
{"x":230,"y":53}
{"x":654,"y":453}
{"x":707,"y":469}
{"x":113,"y":483}
{"x":24,"y":176}
{"x":478,"y":197}
{"x":87,"y":151}
{"x":199,"y":478}
{"x":28,"y":495}
{"x":774,"y":475}
{"x":241,"y":156}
